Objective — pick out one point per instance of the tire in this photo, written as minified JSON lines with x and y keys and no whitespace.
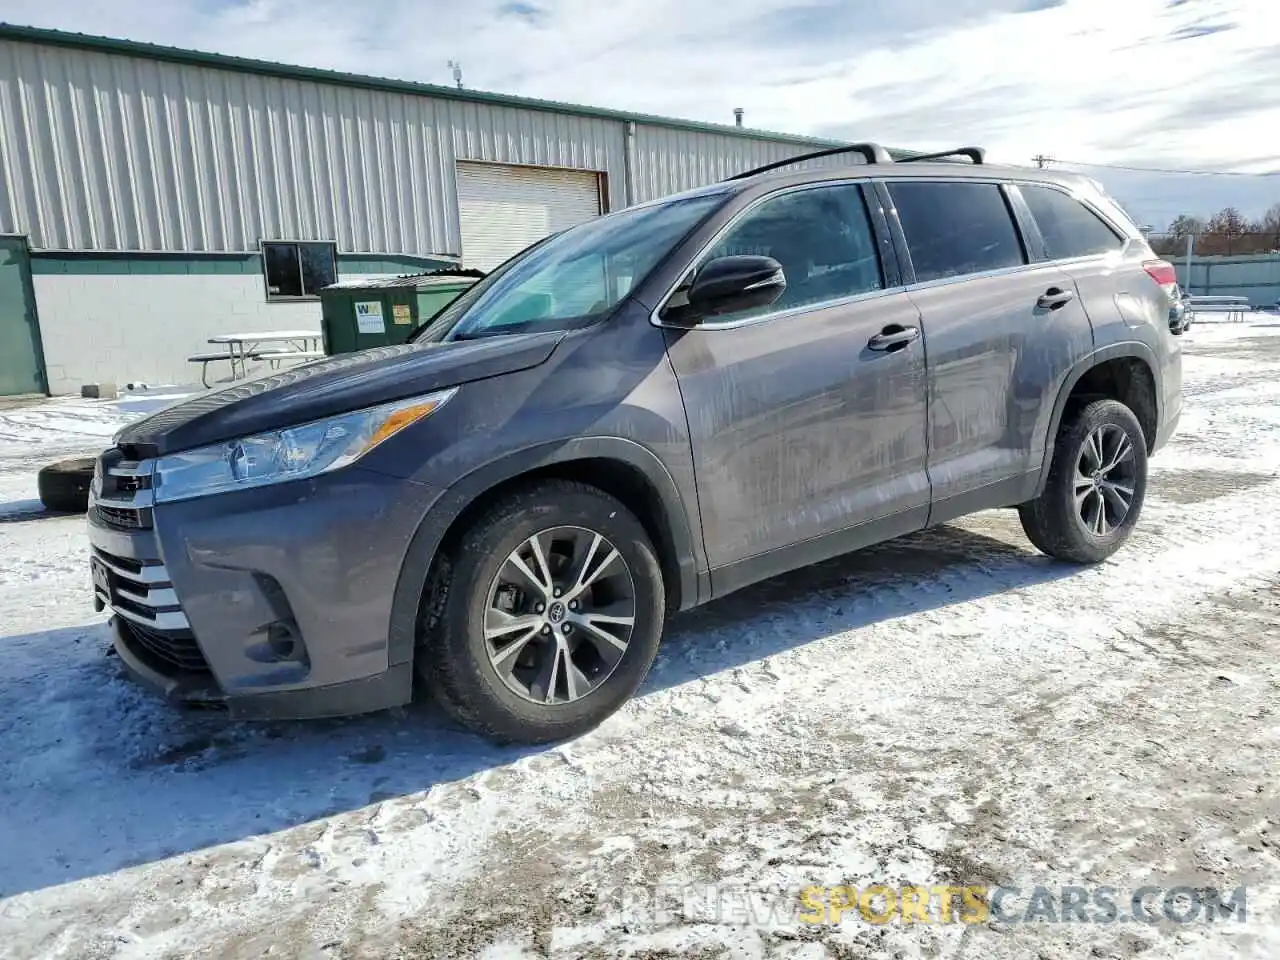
{"x":1054,"y":522}
{"x":475,"y":581}
{"x":64,"y":486}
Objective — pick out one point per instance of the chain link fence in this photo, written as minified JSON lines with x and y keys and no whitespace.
{"x":1207,"y":244}
{"x":1243,"y":265}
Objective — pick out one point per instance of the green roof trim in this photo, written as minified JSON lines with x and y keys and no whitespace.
{"x":139,"y":263}
{"x":153,"y":51}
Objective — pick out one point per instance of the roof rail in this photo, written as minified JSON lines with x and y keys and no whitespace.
{"x":976,"y":154}
{"x":871,"y":152}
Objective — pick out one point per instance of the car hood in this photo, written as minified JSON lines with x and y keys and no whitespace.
{"x":331,"y":386}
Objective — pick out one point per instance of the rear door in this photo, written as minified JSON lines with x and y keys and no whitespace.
{"x":21,"y":369}
{"x":803,"y":427}
{"x":1107,"y":262}
{"x":1085,"y":247}
{"x":1000,"y":333}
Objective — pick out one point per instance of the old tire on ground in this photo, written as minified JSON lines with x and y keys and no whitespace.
{"x":64,"y":486}
{"x":544,"y":617}
{"x":1096,"y":486}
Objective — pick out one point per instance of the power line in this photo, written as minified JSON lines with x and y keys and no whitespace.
{"x":1198,"y":173}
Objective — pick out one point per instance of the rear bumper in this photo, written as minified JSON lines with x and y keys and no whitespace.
{"x":272,"y":603}
{"x":1167,"y":429}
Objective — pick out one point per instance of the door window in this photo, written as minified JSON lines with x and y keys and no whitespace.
{"x":1069,"y":228}
{"x":955,"y":228}
{"x":821,"y":236}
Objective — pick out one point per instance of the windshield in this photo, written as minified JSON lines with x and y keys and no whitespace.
{"x":572,"y":278}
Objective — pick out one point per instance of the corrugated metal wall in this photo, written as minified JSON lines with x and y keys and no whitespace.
{"x":100,"y":151}
{"x":669,"y":159}
{"x":1255,"y":276}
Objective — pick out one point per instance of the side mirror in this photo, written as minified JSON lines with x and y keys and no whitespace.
{"x":732,"y":284}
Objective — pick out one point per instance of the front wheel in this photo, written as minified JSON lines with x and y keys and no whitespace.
{"x":1096,"y":486}
{"x":546,"y":617}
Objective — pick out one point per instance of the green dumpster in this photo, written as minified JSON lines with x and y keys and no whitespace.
{"x":359,"y":314}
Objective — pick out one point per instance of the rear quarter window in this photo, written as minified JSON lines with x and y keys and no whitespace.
{"x":954,"y":228}
{"x":1069,"y":228}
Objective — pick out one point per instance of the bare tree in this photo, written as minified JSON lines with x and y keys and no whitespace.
{"x":1226,"y":232}
{"x":1223,"y":232}
{"x":1186,"y":226}
{"x":1269,"y":228}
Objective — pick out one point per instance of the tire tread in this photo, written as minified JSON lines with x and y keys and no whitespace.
{"x":451,"y":676}
{"x":1049,"y":520}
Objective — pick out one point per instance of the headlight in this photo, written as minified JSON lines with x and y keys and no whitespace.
{"x":294,"y":453}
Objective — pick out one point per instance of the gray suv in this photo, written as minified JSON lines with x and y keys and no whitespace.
{"x":634,"y":416}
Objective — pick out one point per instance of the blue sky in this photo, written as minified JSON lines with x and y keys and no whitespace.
{"x":1143,"y":83}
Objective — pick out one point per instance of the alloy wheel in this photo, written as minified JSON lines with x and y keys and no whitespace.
{"x":559,"y":615}
{"x":1105,"y":479}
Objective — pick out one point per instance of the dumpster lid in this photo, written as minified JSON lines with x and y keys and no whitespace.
{"x":432,"y":278}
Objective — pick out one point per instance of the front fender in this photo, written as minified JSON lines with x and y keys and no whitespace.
{"x":450,"y":505}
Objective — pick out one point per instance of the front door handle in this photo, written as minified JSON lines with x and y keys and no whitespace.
{"x":893,"y":337}
{"x":1053,"y":298}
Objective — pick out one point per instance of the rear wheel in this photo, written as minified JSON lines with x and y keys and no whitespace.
{"x":546,"y":617}
{"x":1096,"y":486}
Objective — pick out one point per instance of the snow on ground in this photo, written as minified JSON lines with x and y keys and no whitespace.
{"x":33,"y":434}
{"x":950,"y":708}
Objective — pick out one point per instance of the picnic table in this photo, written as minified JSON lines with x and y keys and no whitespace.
{"x":1233,"y":306}
{"x":243,"y":347}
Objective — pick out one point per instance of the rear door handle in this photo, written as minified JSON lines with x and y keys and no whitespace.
{"x":1053,"y":298}
{"x":893,"y":337}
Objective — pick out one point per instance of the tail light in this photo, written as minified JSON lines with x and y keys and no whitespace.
{"x":1163,"y":273}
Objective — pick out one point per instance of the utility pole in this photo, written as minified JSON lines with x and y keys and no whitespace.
{"x":1191,"y":246}
{"x":1041,"y":160}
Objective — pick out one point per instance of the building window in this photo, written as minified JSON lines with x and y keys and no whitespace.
{"x":298,"y":270}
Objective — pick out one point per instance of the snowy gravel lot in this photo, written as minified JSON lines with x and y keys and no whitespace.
{"x":950,"y":708}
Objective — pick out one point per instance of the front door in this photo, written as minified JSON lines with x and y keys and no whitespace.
{"x":21,"y":370}
{"x":807,"y":421}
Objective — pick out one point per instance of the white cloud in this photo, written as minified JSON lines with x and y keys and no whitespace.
{"x":1167,"y":83}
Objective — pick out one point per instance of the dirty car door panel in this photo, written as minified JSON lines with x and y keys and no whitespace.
{"x":1000,"y":337}
{"x":807,"y":417}
{"x":1122,"y":299}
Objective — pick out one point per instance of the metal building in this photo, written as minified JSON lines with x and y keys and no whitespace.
{"x":151,"y":197}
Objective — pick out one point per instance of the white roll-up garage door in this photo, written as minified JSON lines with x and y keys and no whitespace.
{"x":503,"y":209}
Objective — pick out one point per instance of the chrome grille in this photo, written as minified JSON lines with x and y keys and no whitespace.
{"x":123,"y":491}
{"x":123,"y":518}
{"x":169,"y":652}
{"x":132,"y":484}
{"x":140,"y":593}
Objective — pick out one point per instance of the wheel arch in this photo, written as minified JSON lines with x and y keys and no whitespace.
{"x":620,"y":467}
{"x":1150,"y":417}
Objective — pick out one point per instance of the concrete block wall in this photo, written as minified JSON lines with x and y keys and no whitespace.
{"x":131,"y":328}
{"x":123,"y":321}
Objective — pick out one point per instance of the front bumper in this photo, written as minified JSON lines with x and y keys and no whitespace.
{"x":200,"y":690}
{"x":273,"y":603}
